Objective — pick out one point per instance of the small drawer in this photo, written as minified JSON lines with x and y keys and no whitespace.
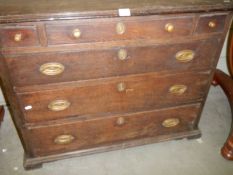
{"x":100,"y":131}
{"x":51,"y":68}
{"x":118,"y":95}
{"x":100,"y":30}
{"x":23,"y":36}
{"x":211,"y":23}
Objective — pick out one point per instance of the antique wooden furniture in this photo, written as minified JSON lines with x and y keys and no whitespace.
{"x":226,"y":82}
{"x":84,"y":77}
{"x":1,"y":114}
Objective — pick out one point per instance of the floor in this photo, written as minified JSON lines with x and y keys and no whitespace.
{"x":182,"y":157}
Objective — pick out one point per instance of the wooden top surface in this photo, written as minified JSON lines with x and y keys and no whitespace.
{"x":42,"y":9}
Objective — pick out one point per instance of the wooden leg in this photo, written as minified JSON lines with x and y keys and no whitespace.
{"x":30,"y":165}
{"x":226,"y":82}
{"x":1,"y":114}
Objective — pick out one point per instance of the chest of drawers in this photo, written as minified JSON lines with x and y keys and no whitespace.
{"x":96,"y":79}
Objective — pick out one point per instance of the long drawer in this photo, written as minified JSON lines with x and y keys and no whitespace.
{"x":64,"y":67}
{"x":118,"y":95}
{"x":101,"y":30}
{"x":87,"y":133}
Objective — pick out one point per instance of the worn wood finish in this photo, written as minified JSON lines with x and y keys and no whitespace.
{"x":226,"y":83}
{"x":25,"y":69}
{"x":210,"y":23}
{"x":26,"y":10}
{"x":1,"y":114}
{"x":140,"y":93}
{"x":230,"y":53}
{"x":107,"y":88}
{"x":36,"y":162}
{"x":89,"y":133}
{"x":99,"y":30}
{"x":28,"y":36}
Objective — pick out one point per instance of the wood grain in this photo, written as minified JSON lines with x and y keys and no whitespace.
{"x":142,"y":92}
{"x":26,"y":10}
{"x":157,"y":58}
{"x":103,"y":130}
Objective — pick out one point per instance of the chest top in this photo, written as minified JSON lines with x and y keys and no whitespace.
{"x":27,"y":10}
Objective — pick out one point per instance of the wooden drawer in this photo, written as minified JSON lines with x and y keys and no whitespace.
{"x":100,"y":30}
{"x":41,"y":68}
{"x":119,"y":95}
{"x":94,"y":132}
{"x":19,"y":36}
{"x":211,"y":23}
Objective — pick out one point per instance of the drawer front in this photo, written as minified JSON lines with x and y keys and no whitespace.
{"x":64,"y":67}
{"x":100,"y":30}
{"x":19,"y":36}
{"x":119,"y":95}
{"x":88,"y":133}
{"x":211,"y":23}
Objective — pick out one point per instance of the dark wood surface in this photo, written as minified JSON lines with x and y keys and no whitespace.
{"x":226,"y":83}
{"x":141,"y":93}
{"x":1,"y":114}
{"x":230,"y":53}
{"x":100,"y":117}
{"x":26,"y":10}
{"x":153,"y":28}
{"x":93,"y":132}
{"x":144,"y":59}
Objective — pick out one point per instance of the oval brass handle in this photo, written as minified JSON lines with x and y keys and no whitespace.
{"x":64,"y":139}
{"x":120,"y":28}
{"x":185,"y":55}
{"x":178,"y":89}
{"x":171,"y":122}
{"x":59,"y":105}
{"x":212,"y":24}
{"x":52,"y":68}
{"x":18,"y":37}
{"x":76,"y":33}
{"x":122,"y":54}
{"x":120,"y":121}
{"x":169,"y":27}
{"x":121,"y":87}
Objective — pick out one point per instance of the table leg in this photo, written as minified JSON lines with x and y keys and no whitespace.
{"x":226,"y":83}
{"x":1,"y":114}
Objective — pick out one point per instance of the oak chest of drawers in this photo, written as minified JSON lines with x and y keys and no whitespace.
{"x":86,"y":77}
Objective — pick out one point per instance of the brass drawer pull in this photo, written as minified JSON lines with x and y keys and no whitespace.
{"x":121,"y":87}
{"x":122,"y":54}
{"x":76,"y":33}
{"x":171,"y":122}
{"x":18,"y":37}
{"x":169,"y":27}
{"x":178,"y":89}
{"x":59,"y":105}
{"x":63,"y":139}
{"x":185,"y":55}
{"x":212,"y":24}
{"x":120,"y":28}
{"x":120,"y":121}
{"x":52,"y":68}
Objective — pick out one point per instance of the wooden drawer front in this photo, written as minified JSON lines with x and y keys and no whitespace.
{"x":94,"y":132}
{"x":211,"y":23}
{"x":125,"y":94}
{"x":19,"y":36}
{"x":26,"y":70}
{"x":99,"y":30}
